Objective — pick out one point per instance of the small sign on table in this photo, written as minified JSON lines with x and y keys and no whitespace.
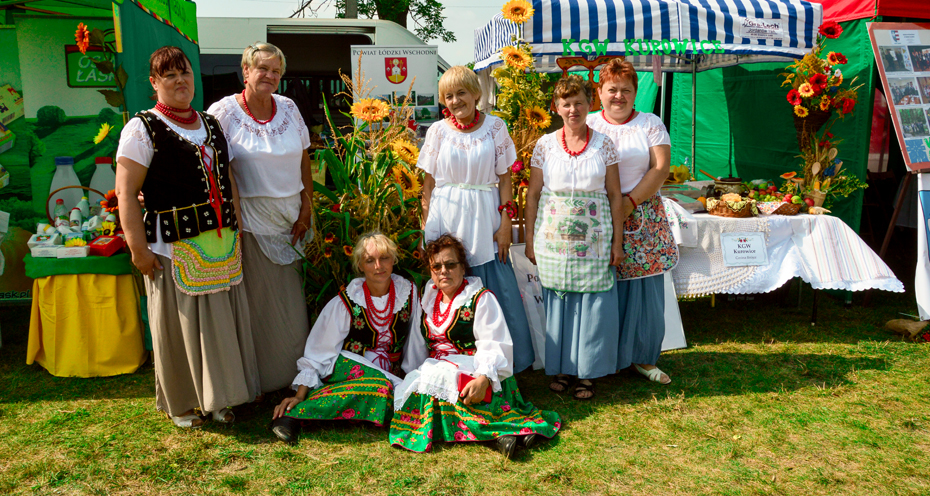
{"x":741,"y":249}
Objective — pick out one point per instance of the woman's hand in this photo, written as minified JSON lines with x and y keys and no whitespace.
{"x":616,"y":251}
{"x":504,"y":238}
{"x":530,"y":253}
{"x":285,"y":407}
{"x":146,"y":262}
{"x":474,"y":391}
{"x":302,"y":224}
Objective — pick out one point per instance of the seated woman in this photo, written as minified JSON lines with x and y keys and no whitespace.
{"x":353,"y":351}
{"x":466,"y":340}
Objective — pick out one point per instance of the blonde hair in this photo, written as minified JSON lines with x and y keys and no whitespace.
{"x":250,"y":55}
{"x":376,"y":241}
{"x":456,"y":76}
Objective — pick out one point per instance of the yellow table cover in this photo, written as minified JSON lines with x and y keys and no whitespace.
{"x":86,"y":325}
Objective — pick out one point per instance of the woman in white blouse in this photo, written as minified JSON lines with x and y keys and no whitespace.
{"x":650,"y":250}
{"x":574,"y":234}
{"x":467,"y":193}
{"x":459,"y":385}
{"x":352,"y":357}
{"x":272,"y":168}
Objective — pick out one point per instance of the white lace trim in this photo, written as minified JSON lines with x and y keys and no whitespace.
{"x":645,"y":122}
{"x":307,"y":377}
{"x":429,"y":295}
{"x":402,"y":288}
{"x":283,"y":117}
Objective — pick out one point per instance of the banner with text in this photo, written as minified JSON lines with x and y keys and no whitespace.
{"x":401,"y":74}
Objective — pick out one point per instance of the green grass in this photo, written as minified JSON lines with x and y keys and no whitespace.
{"x":762,"y":403}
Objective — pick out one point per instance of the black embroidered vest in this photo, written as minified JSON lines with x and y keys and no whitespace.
{"x":177,"y":184}
{"x":362,"y":334}
{"x":460,"y":332}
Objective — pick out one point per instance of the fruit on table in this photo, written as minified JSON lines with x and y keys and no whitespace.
{"x":809,"y":202}
{"x":703,"y":201}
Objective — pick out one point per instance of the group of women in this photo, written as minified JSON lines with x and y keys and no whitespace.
{"x":228,"y":206}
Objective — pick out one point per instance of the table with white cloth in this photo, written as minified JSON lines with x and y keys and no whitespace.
{"x":820,"y":249}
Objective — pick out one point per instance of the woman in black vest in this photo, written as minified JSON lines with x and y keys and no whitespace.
{"x":463,"y":387}
{"x":187,"y":246}
{"x":353,"y":354}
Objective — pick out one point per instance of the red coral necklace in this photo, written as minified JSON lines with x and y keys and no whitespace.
{"x":439,"y":318}
{"x":171,"y":113}
{"x":628,"y":119}
{"x":448,"y":113}
{"x":245,"y":104}
{"x":587,"y":138}
{"x":379,"y":318}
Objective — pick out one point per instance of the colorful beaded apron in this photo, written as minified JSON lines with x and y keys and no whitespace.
{"x":207,"y":263}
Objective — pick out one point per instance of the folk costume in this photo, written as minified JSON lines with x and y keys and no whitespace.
{"x":572,"y":240}
{"x":198,"y":312}
{"x":474,"y":340}
{"x":648,"y":242}
{"x":268,"y":174}
{"x":464,"y":202}
{"x":352,"y":358}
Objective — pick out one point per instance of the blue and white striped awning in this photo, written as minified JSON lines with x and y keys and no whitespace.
{"x":744,"y":30}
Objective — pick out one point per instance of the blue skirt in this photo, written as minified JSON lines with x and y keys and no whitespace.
{"x":642,"y":320}
{"x":582,"y":332}
{"x":500,"y":279}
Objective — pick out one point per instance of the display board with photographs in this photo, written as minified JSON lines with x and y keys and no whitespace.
{"x":902,"y":51}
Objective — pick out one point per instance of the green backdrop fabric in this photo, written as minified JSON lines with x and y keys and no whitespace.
{"x":743,"y":117}
{"x":116,"y":265}
{"x":142,"y":35}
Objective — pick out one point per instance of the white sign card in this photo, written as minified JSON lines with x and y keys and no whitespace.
{"x":398,"y":73}
{"x":742,"y":249}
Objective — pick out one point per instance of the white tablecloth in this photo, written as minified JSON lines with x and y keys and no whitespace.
{"x":820,"y":249}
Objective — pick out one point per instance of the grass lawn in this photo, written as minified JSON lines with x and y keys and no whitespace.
{"x":761,"y":403}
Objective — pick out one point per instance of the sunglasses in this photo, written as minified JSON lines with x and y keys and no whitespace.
{"x":436,"y":267}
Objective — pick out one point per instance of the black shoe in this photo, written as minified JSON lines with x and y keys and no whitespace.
{"x":507,"y":445}
{"x":287,"y":429}
{"x":529,"y":440}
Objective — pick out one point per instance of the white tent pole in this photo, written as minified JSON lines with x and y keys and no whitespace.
{"x":693,"y":109}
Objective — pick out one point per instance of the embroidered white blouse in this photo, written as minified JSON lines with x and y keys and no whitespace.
{"x":324,"y":345}
{"x":439,"y":378}
{"x":135,"y":144}
{"x":632,"y":141}
{"x":563,"y":173}
{"x":466,"y":167}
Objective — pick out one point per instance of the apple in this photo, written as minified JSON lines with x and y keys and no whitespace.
{"x":787,"y":197}
{"x":773,"y":188}
{"x":809,"y":202}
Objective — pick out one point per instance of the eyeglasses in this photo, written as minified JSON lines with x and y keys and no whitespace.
{"x":436,"y":267}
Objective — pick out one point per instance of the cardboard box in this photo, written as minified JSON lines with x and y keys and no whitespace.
{"x":104,"y":246}
{"x":49,"y":251}
{"x":44,"y":240}
{"x":11,"y":105}
{"x":7,"y":139}
{"x":73,"y":251}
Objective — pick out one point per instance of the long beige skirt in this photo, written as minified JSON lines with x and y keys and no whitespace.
{"x":278,"y":312}
{"x":204,"y":356}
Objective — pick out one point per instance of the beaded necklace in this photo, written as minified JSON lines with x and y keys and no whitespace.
{"x":587,"y":138}
{"x":245,"y":104}
{"x":628,"y":119}
{"x":439,"y":318}
{"x":169,"y":112}
{"x":379,"y":318}
{"x":448,"y":113}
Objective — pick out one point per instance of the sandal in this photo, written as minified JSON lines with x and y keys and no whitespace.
{"x":654,"y":374}
{"x":560,"y":383}
{"x":192,"y":421}
{"x":224,"y":416}
{"x":581,"y":387}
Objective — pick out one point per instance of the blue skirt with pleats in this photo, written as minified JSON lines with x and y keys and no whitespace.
{"x":642,"y":320}
{"x":500,"y":279}
{"x":582,"y":332}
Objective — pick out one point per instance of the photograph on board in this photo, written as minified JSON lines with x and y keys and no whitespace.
{"x":895,"y":59}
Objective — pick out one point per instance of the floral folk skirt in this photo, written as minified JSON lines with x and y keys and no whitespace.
{"x":425,"y":419}
{"x":353,"y":392}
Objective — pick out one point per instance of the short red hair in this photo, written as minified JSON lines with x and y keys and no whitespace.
{"x":616,"y":70}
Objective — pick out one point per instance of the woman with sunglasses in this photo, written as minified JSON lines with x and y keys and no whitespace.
{"x":459,"y":385}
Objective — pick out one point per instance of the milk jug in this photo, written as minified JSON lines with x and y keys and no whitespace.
{"x":103,"y":181}
{"x":65,"y":176}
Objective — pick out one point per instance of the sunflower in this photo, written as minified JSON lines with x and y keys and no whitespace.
{"x":515,"y":58}
{"x":108,"y":228}
{"x":825,"y":103}
{"x":800,"y":111}
{"x":518,"y":11}
{"x":370,"y":109}
{"x":538,"y":117}
{"x":406,"y":151}
{"x":102,"y":133}
{"x":806,"y":90}
{"x":82,"y":38}
{"x":75,"y":242}
{"x":109,"y":202}
{"x":408,"y":181}
{"x":347,"y":250}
